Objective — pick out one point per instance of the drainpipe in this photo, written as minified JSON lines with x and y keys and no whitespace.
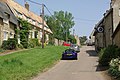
{"x":112,"y":25}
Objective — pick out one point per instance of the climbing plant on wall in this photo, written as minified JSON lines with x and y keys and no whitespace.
{"x":24,"y":32}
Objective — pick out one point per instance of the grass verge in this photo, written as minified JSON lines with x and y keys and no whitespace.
{"x":26,"y":64}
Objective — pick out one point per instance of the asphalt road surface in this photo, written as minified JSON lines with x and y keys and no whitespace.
{"x":85,"y":68}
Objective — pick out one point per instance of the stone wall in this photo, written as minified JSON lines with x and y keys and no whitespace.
{"x":58,"y":42}
{"x":116,"y":39}
{"x":108,"y":29}
{"x":116,"y":13}
{"x":1,"y":25}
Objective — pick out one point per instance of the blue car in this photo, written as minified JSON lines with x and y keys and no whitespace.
{"x":69,"y":54}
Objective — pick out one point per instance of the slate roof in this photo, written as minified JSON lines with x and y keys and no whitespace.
{"x":5,"y":9}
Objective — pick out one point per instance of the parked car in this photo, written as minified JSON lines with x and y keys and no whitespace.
{"x":69,"y":54}
{"x":89,"y":43}
{"x":75,"y":47}
{"x":66,"y":44}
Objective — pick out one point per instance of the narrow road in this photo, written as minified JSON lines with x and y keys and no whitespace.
{"x":85,"y":68}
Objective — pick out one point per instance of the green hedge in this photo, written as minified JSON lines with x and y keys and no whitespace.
{"x":10,"y":44}
{"x":107,"y":54}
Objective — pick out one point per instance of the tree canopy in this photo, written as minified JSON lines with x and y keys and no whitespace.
{"x":60,"y":23}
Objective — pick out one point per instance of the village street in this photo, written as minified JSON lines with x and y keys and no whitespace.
{"x":85,"y":68}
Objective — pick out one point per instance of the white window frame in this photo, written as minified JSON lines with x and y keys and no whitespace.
{"x":5,"y":35}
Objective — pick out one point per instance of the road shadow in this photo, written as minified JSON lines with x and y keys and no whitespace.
{"x":101,"y":68}
{"x":92,"y":53}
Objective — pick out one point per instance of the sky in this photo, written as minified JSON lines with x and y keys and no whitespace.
{"x":86,"y":13}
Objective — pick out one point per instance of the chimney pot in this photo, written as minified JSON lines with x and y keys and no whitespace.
{"x":27,"y":6}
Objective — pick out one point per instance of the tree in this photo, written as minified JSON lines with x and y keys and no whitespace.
{"x":60,"y":23}
{"x":83,"y":39}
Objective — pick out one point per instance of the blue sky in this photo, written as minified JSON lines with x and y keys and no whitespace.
{"x":86,"y":12}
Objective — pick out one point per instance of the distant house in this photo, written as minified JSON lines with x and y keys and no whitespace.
{"x":99,"y":36}
{"x":77,"y":40}
{"x":8,"y":23}
{"x":92,"y":37}
{"x":35,"y":20}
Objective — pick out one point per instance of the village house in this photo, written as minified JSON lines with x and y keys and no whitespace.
{"x":111,"y":26}
{"x":108,"y":28}
{"x":92,"y":38}
{"x":8,"y":23}
{"x":35,"y":20}
{"x":99,"y":36}
{"x":115,"y":5}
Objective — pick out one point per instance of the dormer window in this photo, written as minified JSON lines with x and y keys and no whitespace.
{"x":6,"y":18}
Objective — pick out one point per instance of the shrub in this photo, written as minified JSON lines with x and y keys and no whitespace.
{"x":25,"y":44}
{"x":1,"y":50}
{"x":5,"y":45}
{"x":33,"y":43}
{"x":20,"y":46}
{"x":10,"y":44}
{"x":107,"y":54}
{"x":114,"y":69}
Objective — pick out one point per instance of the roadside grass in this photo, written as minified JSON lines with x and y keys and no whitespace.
{"x":24,"y":65}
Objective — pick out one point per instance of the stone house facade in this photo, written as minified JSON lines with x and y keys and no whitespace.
{"x":99,"y":36}
{"x":115,"y":5}
{"x":111,"y":24}
{"x":8,"y":23}
{"x":35,"y":20}
{"x":108,"y":28}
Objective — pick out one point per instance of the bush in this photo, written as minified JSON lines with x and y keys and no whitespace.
{"x":10,"y":44}
{"x":5,"y":45}
{"x":114,"y":69}
{"x":107,"y":54}
{"x":33,"y":43}
{"x":20,"y":46}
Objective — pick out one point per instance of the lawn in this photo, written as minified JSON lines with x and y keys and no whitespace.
{"x":26,"y":64}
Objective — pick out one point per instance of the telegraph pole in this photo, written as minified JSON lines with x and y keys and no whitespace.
{"x":43,"y":26}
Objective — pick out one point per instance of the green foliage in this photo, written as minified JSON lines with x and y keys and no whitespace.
{"x":107,"y":54}
{"x":33,"y":43}
{"x":114,"y":69}
{"x":72,"y":39}
{"x":1,"y":50}
{"x":20,"y":46}
{"x":26,"y":64}
{"x":60,"y":23}
{"x":51,"y":39}
{"x":24,"y":32}
{"x":83,"y":39}
{"x":10,"y":44}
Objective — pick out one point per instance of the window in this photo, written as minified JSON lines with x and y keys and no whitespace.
{"x":6,"y":19}
{"x":5,"y":35}
{"x":40,"y":34}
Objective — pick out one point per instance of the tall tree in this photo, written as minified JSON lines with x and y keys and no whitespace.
{"x":60,"y":23}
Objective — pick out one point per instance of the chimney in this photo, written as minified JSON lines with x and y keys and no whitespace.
{"x":27,"y":6}
{"x":112,"y":3}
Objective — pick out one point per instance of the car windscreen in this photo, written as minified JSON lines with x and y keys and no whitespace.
{"x":69,"y":50}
